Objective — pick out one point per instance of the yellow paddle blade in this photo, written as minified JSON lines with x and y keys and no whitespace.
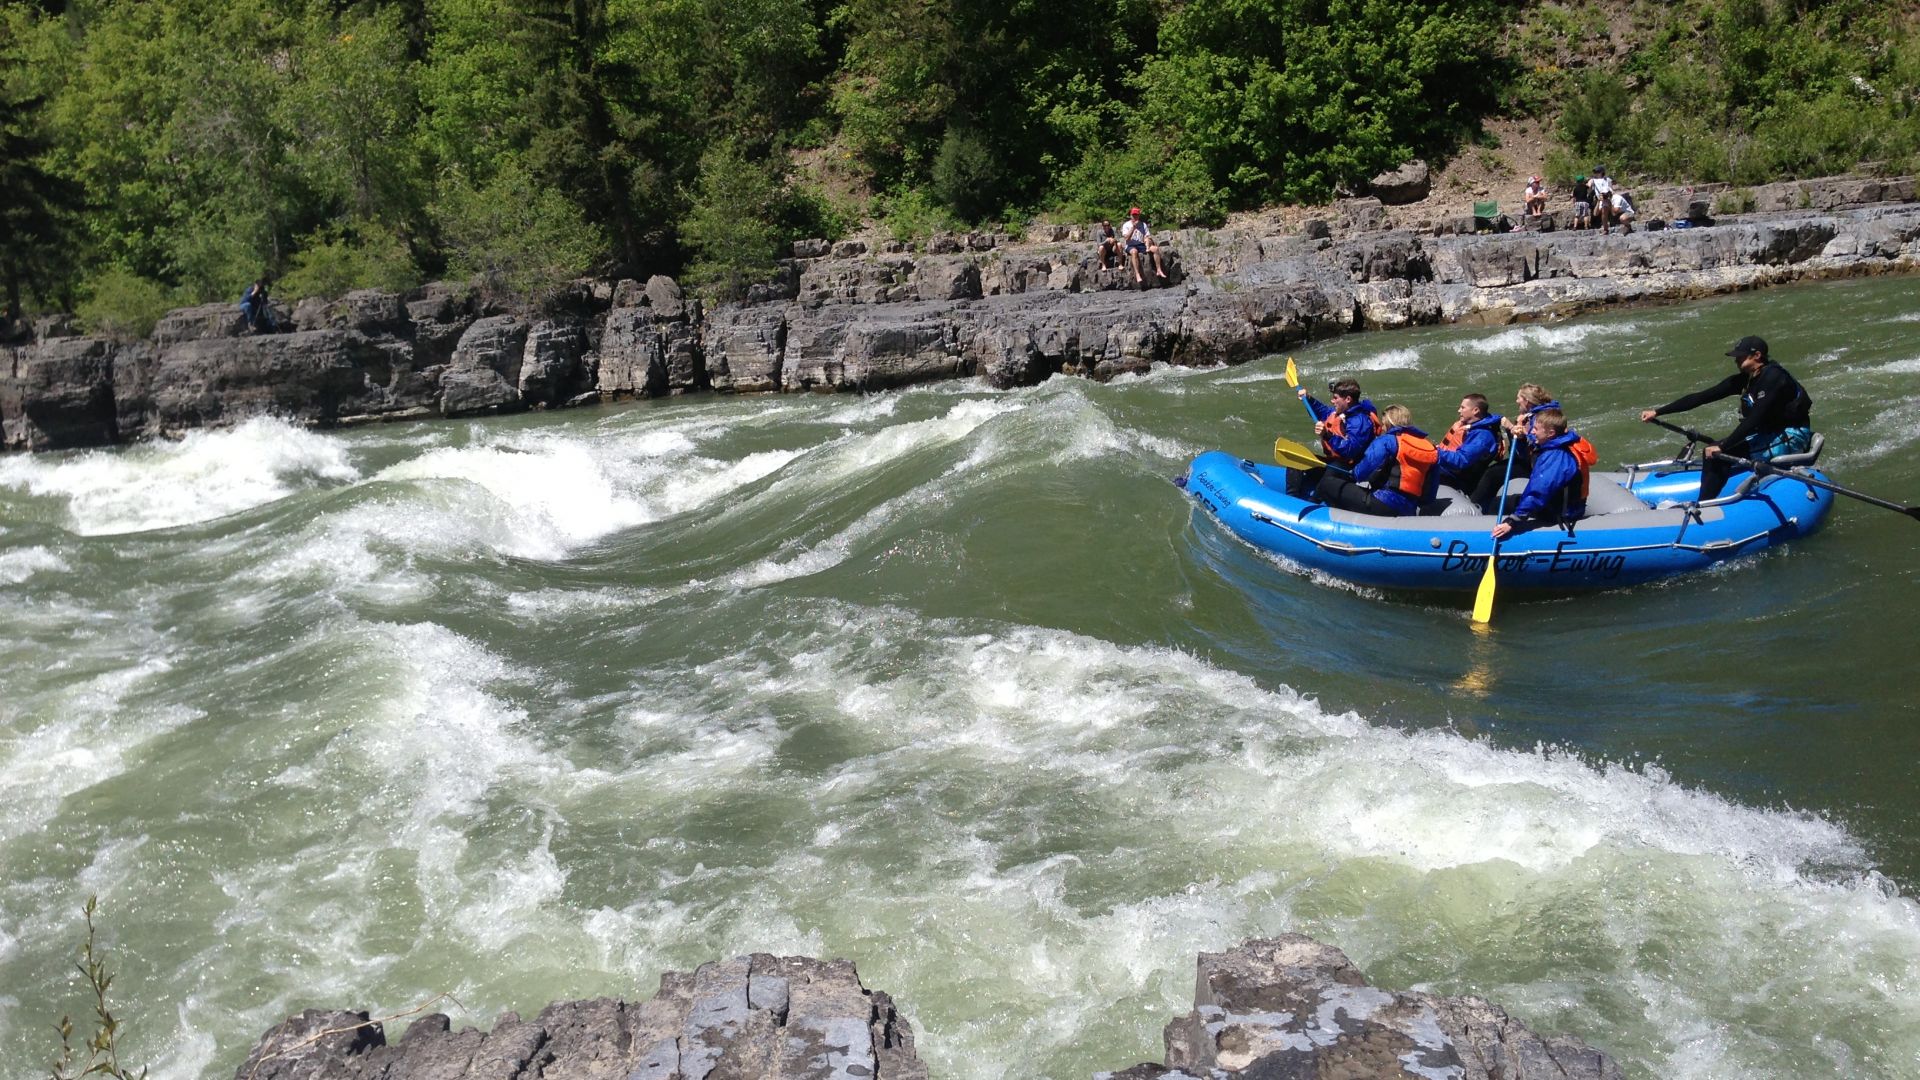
{"x":1293,"y":373}
{"x":1483,"y":600}
{"x":1294,"y":456}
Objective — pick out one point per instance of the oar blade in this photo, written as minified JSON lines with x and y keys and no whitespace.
{"x":1293,"y":455}
{"x":1293,"y":373}
{"x":1483,"y":600}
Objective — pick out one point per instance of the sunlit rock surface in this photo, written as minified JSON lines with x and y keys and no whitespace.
{"x":842,"y":317}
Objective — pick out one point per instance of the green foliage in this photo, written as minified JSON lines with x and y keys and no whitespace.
{"x":522,"y":239}
{"x":102,"y":1047}
{"x":1590,"y":121}
{"x":912,"y":216}
{"x":118,"y":303}
{"x":731,"y":225}
{"x":967,"y":177}
{"x":332,"y":262}
{"x":1756,"y":91}
{"x":190,"y":146}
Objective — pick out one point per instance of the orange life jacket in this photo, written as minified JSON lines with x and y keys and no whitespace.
{"x":1414,"y":457}
{"x":1585,"y":455}
{"x":1337,"y":425}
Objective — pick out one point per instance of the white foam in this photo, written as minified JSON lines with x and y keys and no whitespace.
{"x":20,"y":564}
{"x":88,"y":734}
{"x":1390,"y":360}
{"x":553,"y":494}
{"x":207,"y":475}
{"x":1909,"y":366}
{"x":1536,"y":337}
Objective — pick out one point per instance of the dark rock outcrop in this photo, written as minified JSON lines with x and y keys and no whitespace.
{"x":843,"y":317}
{"x":754,"y":1017}
{"x":1268,"y":1010}
{"x":1290,"y":1007}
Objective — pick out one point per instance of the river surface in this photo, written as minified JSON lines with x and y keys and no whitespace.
{"x":953,"y":682}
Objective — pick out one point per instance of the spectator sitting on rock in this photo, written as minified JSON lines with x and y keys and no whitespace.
{"x":256,"y":312}
{"x":1582,"y":202}
{"x":1535,"y":196}
{"x":1622,"y":211}
{"x":1109,"y":254}
{"x":1602,"y":198}
{"x":1139,"y":241}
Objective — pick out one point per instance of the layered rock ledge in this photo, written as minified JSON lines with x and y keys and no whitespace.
{"x":1273,"y":1009}
{"x":844,"y":318}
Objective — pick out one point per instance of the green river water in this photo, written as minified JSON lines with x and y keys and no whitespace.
{"x":953,"y":682}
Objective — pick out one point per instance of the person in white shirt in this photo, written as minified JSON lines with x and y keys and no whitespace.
{"x":1535,"y":196}
{"x":1139,"y":241}
{"x":1621,"y":210}
{"x":1602,"y":198}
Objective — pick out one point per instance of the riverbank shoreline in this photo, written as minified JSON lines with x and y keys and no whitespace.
{"x":842,"y":317}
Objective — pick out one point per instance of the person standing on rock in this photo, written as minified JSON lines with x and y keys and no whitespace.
{"x":1582,"y":202}
{"x":1602,"y":198}
{"x":1139,"y":241}
{"x":1775,"y":414}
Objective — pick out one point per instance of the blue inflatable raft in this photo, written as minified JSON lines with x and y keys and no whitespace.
{"x":1641,"y":525}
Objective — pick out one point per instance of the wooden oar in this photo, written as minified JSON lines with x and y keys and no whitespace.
{"x":1766,"y":469}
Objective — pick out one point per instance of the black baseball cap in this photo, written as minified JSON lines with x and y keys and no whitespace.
{"x":1746,"y":345}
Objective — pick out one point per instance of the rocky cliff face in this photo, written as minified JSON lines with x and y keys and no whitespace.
{"x":1281,"y":1008}
{"x":846,"y":318}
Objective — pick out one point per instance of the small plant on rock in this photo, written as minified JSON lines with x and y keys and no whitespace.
{"x":102,"y":1047}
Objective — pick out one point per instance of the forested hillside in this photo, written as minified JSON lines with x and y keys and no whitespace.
{"x":157,"y":152}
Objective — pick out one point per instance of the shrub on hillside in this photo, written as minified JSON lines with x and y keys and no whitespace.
{"x":121,"y":304}
{"x":522,"y":238}
{"x":333,"y":263}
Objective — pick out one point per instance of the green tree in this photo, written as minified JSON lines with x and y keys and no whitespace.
{"x":522,"y":238}
{"x":39,"y":210}
{"x":731,"y":225}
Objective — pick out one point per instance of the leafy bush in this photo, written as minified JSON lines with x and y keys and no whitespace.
{"x":331,"y":263}
{"x":121,"y":304}
{"x":523,"y":239}
{"x":913,"y":215}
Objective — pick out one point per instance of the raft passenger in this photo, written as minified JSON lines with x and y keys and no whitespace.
{"x":1530,"y":398}
{"x":1557,"y":488}
{"x":1395,"y":478}
{"x":1775,"y":414}
{"x":1470,"y":446}
{"x":1345,"y":427}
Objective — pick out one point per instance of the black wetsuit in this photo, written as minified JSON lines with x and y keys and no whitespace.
{"x":1771,"y":401}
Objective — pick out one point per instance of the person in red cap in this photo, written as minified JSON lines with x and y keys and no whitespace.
{"x":1139,"y":241}
{"x":1775,"y":413}
{"x":1536,"y":197}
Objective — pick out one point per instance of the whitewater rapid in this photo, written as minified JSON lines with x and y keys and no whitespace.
{"x":939,"y":680}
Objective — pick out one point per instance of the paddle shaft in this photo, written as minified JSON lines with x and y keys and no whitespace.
{"x":1764,"y":468}
{"x":1483,"y":600}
